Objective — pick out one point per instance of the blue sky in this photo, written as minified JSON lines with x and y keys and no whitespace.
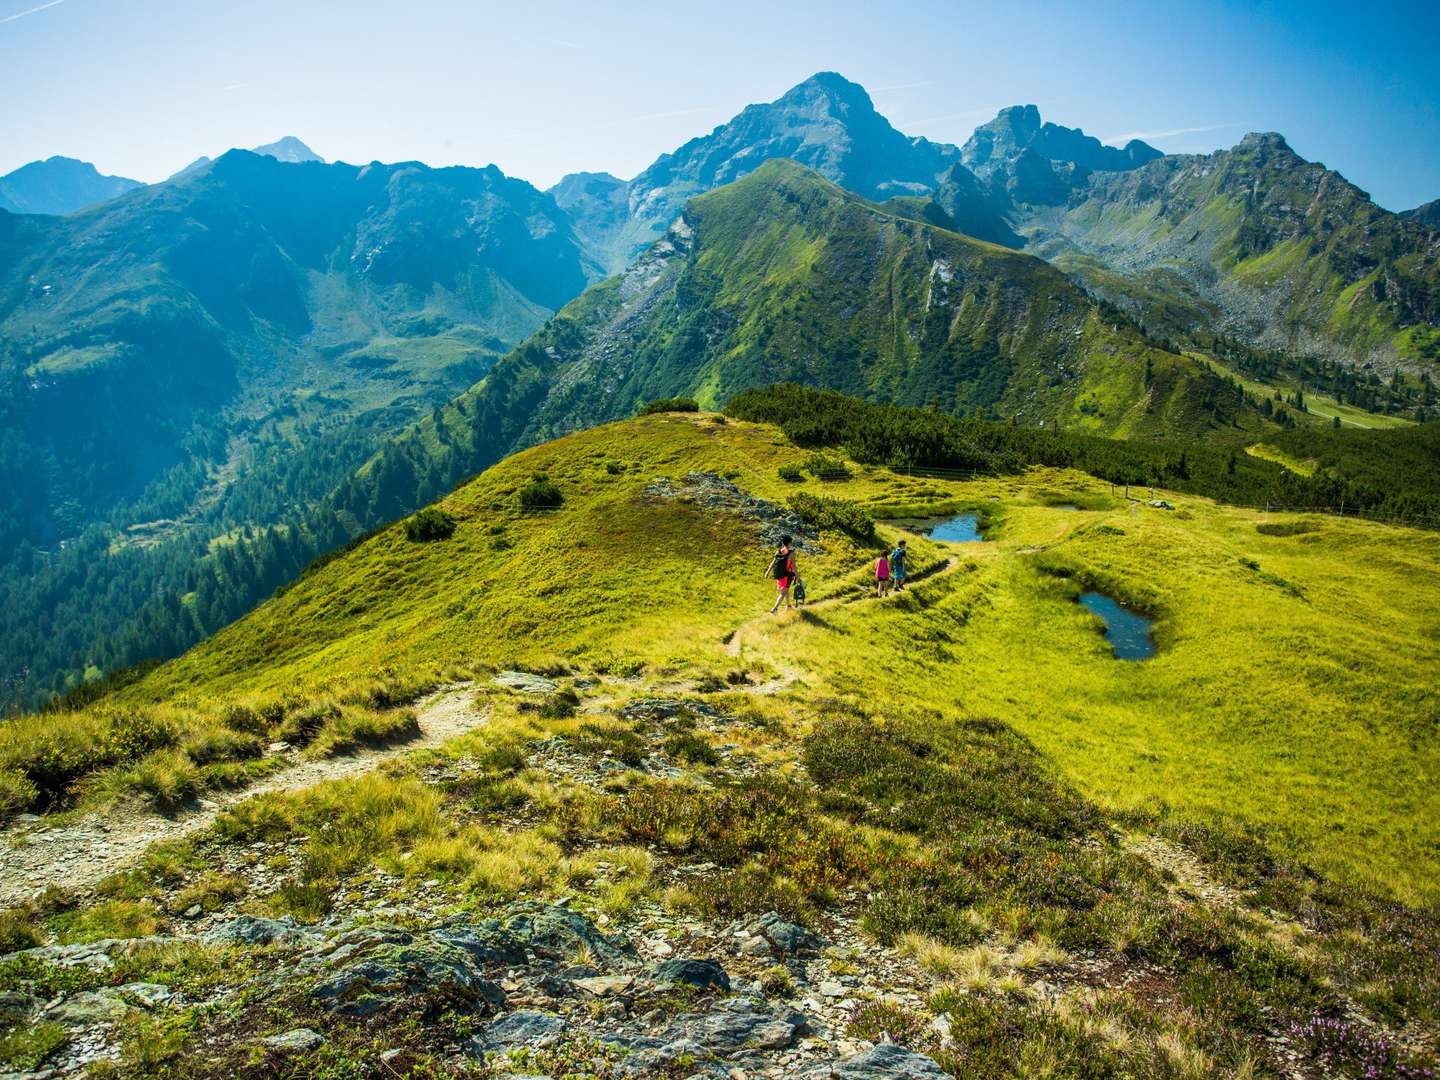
{"x":142,"y":87}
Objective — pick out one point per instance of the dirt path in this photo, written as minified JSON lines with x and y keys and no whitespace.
{"x":76,"y":857}
{"x":855,"y":595}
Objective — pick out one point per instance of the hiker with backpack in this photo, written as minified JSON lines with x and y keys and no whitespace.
{"x":782,"y":569}
{"x":882,"y":574}
{"x":898,"y":569}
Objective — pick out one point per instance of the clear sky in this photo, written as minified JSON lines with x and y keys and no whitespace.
{"x":142,"y":87}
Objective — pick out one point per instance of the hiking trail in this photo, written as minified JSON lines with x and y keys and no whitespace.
{"x":76,"y":857}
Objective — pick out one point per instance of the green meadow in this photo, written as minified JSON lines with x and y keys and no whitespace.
{"x":1293,"y":689}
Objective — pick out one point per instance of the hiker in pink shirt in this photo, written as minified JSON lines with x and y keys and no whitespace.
{"x":882,"y":575}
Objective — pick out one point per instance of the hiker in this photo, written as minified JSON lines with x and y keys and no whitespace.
{"x":882,"y":575}
{"x":782,"y":569}
{"x":897,"y":565}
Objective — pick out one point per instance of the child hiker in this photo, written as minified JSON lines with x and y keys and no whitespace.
{"x":882,"y":575}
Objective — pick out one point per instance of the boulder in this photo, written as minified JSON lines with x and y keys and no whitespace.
{"x":526,"y":682}
{"x":523,"y":1028}
{"x":252,"y":930}
{"x":295,"y":1041}
{"x":886,"y":1061}
{"x":555,"y":932}
{"x":389,"y":973}
{"x":786,"y":938}
{"x":700,"y":974}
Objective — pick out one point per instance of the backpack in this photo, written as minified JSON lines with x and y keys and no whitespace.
{"x":779,"y":565}
{"x":799,"y":591}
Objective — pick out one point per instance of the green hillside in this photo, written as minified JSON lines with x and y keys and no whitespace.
{"x":783,"y":275}
{"x":1183,"y":866}
{"x":214,"y":354}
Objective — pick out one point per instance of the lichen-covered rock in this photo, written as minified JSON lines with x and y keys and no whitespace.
{"x":886,"y":1061}
{"x":523,"y":1028}
{"x":296,"y":1041}
{"x":700,"y":974}
{"x":252,"y":930}
{"x":554,"y":932}
{"x":388,"y":973}
{"x":785,"y":938}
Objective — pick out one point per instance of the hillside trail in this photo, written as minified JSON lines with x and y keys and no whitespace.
{"x":76,"y":857}
{"x":853,"y":595}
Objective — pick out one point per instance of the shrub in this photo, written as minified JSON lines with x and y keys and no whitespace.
{"x":18,"y":931}
{"x":841,"y":514}
{"x":540,"y":493}
{"x":614,"y":468}
{"x":791,"y":473}
{"x":672,"y":404}
{"x":824,"y":467}
{"x":223,"y":746}
{"x":431,"y":523}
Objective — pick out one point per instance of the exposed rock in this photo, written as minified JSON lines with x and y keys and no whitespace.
{"x":296,"y":1041}
{"x":784,"y":937}
{"x":252,"y":930}
{"x":713,"y":492}
{"x":700,"y":974}
{"x":886,"y":1061}
{"x":388,"y":972}
{"x":555,"y":932}
{"x":526,"y":682}
{"x":523,"y":1028}
{"x":88,"y":1008}
{"x":92,"y":954}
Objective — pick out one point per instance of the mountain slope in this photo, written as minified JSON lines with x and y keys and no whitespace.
{"x":826,"y":123}
{"x":1292,"y":254}
{"x":782,"y":276}
{"x":1007,"y":831}
{"x":218,"y":351}
{"x":59,"y":185}
{"x":1035,"y":162}
{"x":1428,"y":214}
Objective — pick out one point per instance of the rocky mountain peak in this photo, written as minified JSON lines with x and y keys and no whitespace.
{"x":289,"y":149}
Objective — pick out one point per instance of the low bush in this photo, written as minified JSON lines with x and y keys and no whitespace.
{"x":828,"y":513}
{"x":791,"y":474}
{"x":673,"y":404}
{"x":824,"y":467}
{"x":431,"y":523}
{"x":540,"y":493}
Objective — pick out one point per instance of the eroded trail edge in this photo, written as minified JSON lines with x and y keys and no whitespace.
{"x":77,"y":857}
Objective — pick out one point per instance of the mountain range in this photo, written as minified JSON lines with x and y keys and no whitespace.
{"x":59,"y":185}
{"x":270,"y":342}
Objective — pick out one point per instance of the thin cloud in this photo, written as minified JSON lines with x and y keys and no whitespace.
{"x":901,"y":86}
{"x":983,"y":110}
{"x":670,"y":113}
{"x":1124,"y":137}
{"x":235,"y":86}
{"x":31,"y":11}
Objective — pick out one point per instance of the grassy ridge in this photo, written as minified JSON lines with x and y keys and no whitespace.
{"x":970,"y":743}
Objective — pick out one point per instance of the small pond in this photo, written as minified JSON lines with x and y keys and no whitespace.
{"x":1127,"y":632}
{"x":960,"y":529}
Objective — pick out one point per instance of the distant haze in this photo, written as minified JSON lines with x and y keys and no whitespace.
{"x":144,"y":87}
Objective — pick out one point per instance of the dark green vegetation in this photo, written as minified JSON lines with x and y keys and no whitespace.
{"x":59,"y":185}
{"x":1386,"y":474}
{"x":209,"y":357}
